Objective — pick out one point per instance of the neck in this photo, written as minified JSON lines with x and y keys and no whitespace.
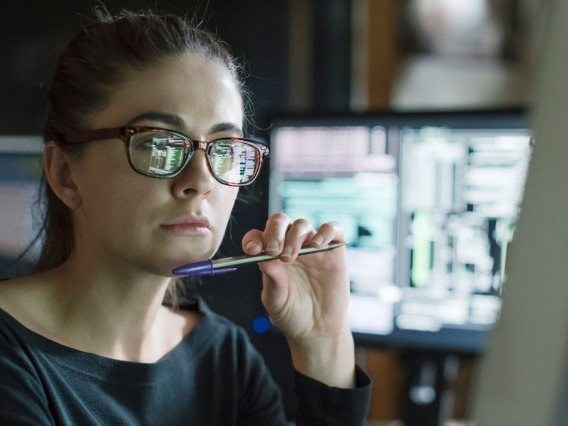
{"x":113,"y":314}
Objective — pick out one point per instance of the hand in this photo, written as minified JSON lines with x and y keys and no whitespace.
{"x":306,"y":297}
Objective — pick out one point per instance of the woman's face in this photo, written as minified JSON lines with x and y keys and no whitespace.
{"x":157,"y":224}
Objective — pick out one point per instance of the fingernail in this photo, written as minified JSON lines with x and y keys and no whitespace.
{"x":318,"y":241}
{"x":250,"y":245}
{"x":272,"y":245}
{"x":287,"y":252}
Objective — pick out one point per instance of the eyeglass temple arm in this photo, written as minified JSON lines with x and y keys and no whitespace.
{"x":264,"y":149}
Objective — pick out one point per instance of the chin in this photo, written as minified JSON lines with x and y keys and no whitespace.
{"x":177,"y":256}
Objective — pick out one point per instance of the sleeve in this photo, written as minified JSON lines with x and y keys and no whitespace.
{"x":318,"y":404}
{"x":22,"y":402}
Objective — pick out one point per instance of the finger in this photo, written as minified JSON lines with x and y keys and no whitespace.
{"x":274,"y":233}
{"x":253,"y":242}
{"x":299,"y":232}
{"x":328,"y":232}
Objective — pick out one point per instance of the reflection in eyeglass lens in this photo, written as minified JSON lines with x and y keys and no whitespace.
{"x":249,"y":164}
{"x":157,"y":153}
{"x":223,"y":157}
{"x":234,"y":161}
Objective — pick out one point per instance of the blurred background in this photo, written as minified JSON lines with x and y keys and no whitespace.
{"x":305,"y":57}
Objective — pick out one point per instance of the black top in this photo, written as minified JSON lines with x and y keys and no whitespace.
{"x":213,"y":377}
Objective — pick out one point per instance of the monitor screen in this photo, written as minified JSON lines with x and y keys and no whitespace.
{"x":428,"y":202}
{"x":20,"y":174}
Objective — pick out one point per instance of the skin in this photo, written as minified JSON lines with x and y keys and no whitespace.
{"x":131,"y":230}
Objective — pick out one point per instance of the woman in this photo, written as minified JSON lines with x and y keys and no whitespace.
{"x":144,"y":155}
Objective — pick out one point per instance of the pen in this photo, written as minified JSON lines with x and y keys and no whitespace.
{"x":228,"y":264}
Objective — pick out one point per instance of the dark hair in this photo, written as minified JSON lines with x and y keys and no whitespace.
{"x":97,"y":60}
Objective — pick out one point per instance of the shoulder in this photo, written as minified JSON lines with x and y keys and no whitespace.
{"x":24,"y":300}
{"x":15,"y":295}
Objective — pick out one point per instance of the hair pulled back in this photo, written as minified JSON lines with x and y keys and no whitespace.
{"x":97,"y":61}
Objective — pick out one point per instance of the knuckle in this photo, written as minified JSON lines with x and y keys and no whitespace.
{"x":330,"y":225}
{"x":280,"y":217}
{"x":302,"y":222}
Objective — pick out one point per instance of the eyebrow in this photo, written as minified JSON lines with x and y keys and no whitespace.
{"x":161,"y":117}
{"x":226,"y":127}
{"x":178,"y":122}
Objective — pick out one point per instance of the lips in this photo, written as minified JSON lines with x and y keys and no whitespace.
{"x":188,"y":225}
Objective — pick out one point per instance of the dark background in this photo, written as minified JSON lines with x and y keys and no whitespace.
{"x":34,"y":32}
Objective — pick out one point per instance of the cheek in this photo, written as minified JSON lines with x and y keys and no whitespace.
{"x":228,"y":198}
{"x":105,"y":173}
{"x":223,"y":203}
{"x":114,"y":206}
{"x":111,"y":192}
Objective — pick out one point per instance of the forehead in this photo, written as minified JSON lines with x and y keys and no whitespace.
{"x":189,"y":85}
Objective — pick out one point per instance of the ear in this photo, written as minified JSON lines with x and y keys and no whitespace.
{"x":59,"y":175}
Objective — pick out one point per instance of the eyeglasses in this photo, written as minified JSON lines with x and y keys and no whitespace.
{"x":163,"y":153}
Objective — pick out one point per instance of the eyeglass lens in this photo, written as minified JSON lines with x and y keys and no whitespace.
{"x":163,"y":154}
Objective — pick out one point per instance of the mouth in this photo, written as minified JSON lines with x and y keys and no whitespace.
{"x":188,"y":225}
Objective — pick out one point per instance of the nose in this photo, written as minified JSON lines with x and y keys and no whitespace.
{"x":195,"y":178}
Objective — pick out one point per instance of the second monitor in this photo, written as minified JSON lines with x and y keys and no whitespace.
{"x":428,"y":201}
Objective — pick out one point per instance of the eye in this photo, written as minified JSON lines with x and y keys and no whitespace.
{"x":156,"y":142}
{"x":221,"y":149}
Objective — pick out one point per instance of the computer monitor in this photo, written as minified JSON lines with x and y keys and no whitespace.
{"x":428,"y":201}
{"x":20,"y":174}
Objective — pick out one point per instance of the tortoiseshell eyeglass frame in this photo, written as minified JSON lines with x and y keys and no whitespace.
{"x":125,"y":134}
